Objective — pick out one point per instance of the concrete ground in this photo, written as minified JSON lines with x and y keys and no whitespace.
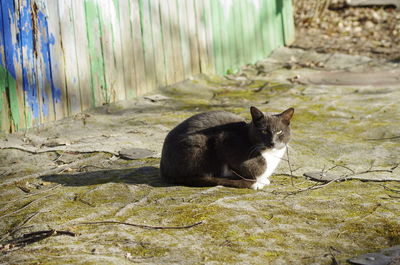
{"x":338,"y":199}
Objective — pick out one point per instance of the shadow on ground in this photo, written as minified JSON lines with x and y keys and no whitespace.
{"x":147,"y":175}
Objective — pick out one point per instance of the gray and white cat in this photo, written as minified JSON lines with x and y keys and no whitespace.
{"x":220,"y":148}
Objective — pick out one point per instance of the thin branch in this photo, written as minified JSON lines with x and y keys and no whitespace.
{"x":12,"y":231}
{"x":33,"y":237}
{"x":290,"y":167}
{"x":25,"y":206}
{"x":390,"y":189}
{"x":382,"y":139}
{"x":141,"y":226}
{"x":318,"y":186}
{"x":237,"y":174}
{"x":31,"y":194}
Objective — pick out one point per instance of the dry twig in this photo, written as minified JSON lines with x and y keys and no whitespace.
{"x":141,"y":226}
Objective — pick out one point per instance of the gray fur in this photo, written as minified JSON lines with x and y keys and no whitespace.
{"x":195,"y":152}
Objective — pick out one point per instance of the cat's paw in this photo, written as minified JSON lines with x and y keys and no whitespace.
{"x":259,"y":185}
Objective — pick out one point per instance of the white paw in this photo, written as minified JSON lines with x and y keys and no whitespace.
{"x":260,"y":185}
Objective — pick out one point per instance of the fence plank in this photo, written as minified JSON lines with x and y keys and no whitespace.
{"x":43,"y":66}
{"x":5,"y":125}
{"x":240,"y":50}
{"x":216,"y":37}
{"x":117,"y":50}
{"x":142,"y":85}
{"x":127,"y":53}
{"x":71,"y":70}
{"x":157,"y":43}
{"x":288,"y":21}
{"x":13,"y":65}
{"x":58,"y":58}
{"x":97,"y":71}
{"x":82,"y":55}
{"x":148,"y":48}
{"x":208,"y":28}
{"x":169,"y":58}
{"x":192,"y":34}
{"x":57,"y":61}
{"x":29,"y":71}
{"x":111,"y":45}
{"x":183,"y":29}
{"x":176,"y":41}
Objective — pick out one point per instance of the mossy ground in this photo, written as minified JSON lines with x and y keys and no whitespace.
{"x":272,"y":226}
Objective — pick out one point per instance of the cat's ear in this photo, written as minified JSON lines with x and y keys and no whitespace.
{"x":287,"y":115}
{"x":256,"y":115}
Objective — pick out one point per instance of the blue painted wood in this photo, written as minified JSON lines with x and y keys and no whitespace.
{"x":28,"y":62}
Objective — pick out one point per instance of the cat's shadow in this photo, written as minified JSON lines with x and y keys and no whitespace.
{"x":147,"y":175}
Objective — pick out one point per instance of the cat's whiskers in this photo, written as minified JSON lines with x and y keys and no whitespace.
{"x":237,"y":174}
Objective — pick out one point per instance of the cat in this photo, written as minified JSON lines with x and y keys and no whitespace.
{"x":220,"y":148}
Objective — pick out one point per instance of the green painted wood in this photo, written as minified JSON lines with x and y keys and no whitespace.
{"x":111,"y":19}
{"x":288,"y":21}
{"x":100,"y":52}
{"x":265,"y":29}
{"x":97,"y":70}
{"x":5,"y":123}
{"x":236,"y":36}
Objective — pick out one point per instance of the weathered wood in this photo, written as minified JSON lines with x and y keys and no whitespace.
{"x":42,"y":62}
{"x":240,"y":51}
{"x":70,"y":61}
{"x":208,"y":28}
{"x":201,"y":35}
{"x":111,"y":44}
{"x":217,"y":37}
{"x":97,"y":72}
{"x":12,"y":64}
{"x":57,"y":61}
{"x":148,"y":48}
{"x":157,"y":43}
{"x":176,"y":41}
{"x":192,"y":33}
{"x":127,"y":53}
{"x":82,"y":55}
{"x":288,"y":21}
{"x":5,"y":124}
{"x":183,"y":29}
{"x":169,"y":58}
{"x":142,"y":85}
{"x":58,"y":58}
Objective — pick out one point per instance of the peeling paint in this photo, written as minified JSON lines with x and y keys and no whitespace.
{"x":29,"y":95}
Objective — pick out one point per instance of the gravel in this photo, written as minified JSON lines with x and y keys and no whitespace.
{"x":368,"y":31}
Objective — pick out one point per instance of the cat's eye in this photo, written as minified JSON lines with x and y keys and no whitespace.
{"x":264,"y":131}
{"x":279,"y":132}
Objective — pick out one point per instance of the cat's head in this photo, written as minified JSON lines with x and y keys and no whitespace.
{"x":270,"y":130}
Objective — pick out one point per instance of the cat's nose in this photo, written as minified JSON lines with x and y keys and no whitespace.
{"x":270,"y":144}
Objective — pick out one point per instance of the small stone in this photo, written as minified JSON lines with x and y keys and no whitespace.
{"x":369,"y":24}
{"x":135,"y":153}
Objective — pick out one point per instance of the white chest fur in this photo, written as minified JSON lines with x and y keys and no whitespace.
{"x":272,"y":157}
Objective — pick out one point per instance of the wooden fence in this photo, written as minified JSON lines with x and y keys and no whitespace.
{"x":60,"y":57}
